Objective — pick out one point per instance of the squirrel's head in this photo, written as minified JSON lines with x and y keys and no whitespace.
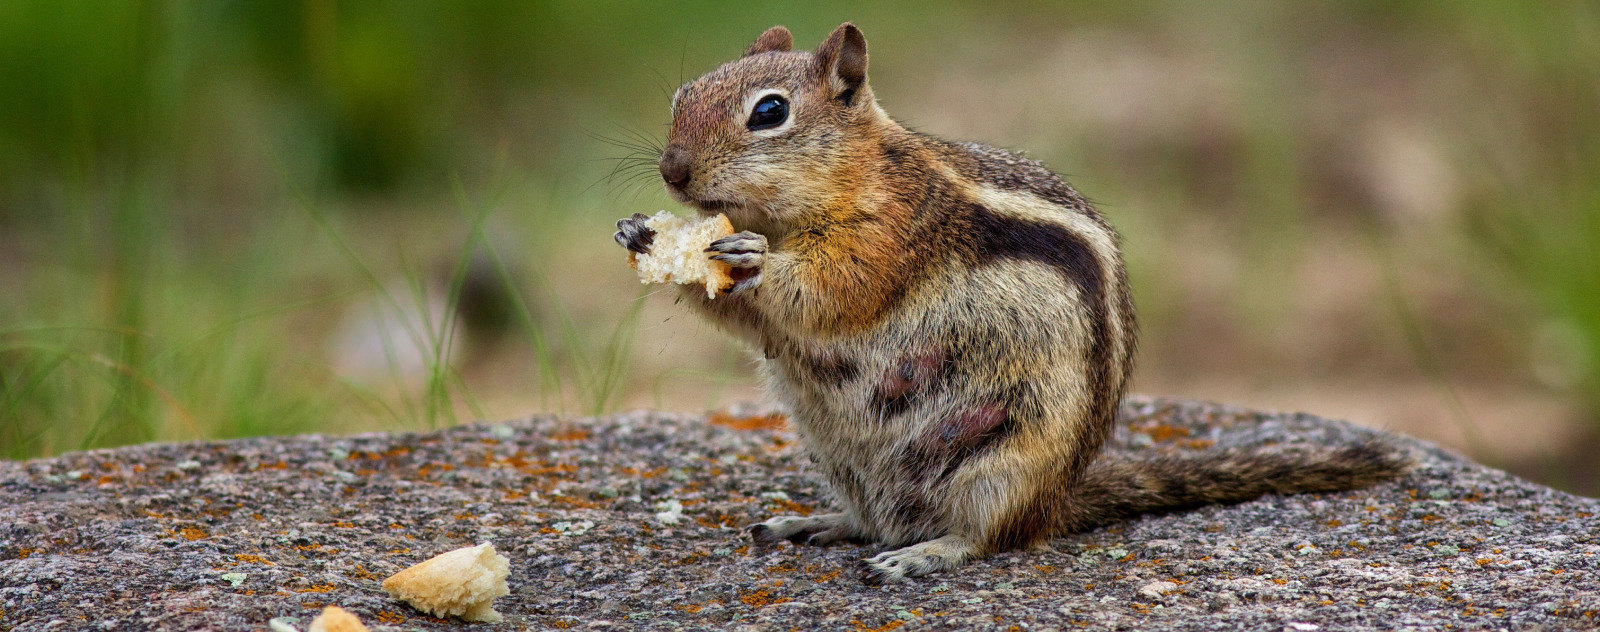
{"x":770,"y":134}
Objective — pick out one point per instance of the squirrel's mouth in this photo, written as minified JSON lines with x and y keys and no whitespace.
{"x":706,"y":206}
{"x":713,"y":206}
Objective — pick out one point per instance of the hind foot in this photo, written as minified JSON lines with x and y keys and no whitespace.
{"x":942,"y":554}
{"x":809,"y":530}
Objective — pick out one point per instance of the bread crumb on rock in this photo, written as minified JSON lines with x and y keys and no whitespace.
{"x":462,"y":583}
{"x":336,"y":619}
{"x":678,"y":253}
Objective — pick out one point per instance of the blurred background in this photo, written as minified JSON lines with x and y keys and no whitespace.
{"x":221,"y":219}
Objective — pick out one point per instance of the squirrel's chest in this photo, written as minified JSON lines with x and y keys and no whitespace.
{"x":874,"y":379}
{"x":865,"y":389}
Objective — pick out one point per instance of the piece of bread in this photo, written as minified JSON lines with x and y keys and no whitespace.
{"x":336,"y":619}
{"x":678,"y":254}
{"x":462,"y":583}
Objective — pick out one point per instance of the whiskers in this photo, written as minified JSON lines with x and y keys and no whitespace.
{"x":636,"y":170}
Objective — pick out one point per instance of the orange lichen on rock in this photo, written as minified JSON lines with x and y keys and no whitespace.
{"x":1166,"y":433}
{"x":804,"y":510}
{"x":775,"y":421}
{"x":392,"y":618}
{"x":892,"y":624}
{"x":759,"y":598}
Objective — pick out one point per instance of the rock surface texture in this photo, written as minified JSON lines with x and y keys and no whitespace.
{"x":631,"y":522}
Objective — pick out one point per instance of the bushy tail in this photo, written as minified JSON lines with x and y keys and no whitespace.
{"x":1115,"y":487}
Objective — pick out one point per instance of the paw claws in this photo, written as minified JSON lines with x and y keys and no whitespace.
{"x":740,"y":243}
{"x":800,"y":537}
{"x":872,"y":575}
{"x":634,"y":235}
{"x":826,"y":537}
{"x":747,"y":284}
{"x":760,"y":533}
{"x":739,"y":259}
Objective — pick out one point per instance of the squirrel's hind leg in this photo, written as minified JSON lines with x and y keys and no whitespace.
{"x":941,"y":554}
{"x":810,"y":530}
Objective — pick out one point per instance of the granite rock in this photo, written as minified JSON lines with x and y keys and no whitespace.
{"x":631,"y":522}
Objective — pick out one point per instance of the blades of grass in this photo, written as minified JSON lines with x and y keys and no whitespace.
{"x":396,"y":371}
{"x":548,"y":375}
{"x":1411,"y":326}
{"x":428,"y":410}
{"x":117,"y":382}
{"x":440,"y":371}
{"x":14,"y":392}
{"x":463,"y":266}
{"x":81,"y":361}
{"x":99,"y":329}
{"x":431,"y":345}
{"x":583,"y":365}
{"x":618,"y":352}
{"x":366,"y":396}
{"x":723,"y":377}
{"x":233,"y":324}
{"x":165,"y":394}
{"x":717,"y":377}
{"x":351,"y":256}
{"x":471,"y":399}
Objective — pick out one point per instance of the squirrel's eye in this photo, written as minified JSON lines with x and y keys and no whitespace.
{"x":771,"y":111}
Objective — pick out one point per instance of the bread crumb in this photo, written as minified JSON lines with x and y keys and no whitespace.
{"x":336,"y":619}
{"x":678,"y":253}
{"x":462,"y":583}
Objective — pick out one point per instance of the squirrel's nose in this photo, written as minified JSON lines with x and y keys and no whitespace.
{"x":675,"y":167}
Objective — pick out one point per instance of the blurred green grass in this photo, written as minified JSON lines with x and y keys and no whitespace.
{"x":196,"y":199}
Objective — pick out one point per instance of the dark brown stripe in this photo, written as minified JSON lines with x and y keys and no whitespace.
{"x":830,"y":368}
{"x":996,"y":237}
{"x":891,"y":402}
{"x":1002,"y":237}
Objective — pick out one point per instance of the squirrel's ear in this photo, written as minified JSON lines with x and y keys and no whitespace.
{"x":842,"y":61}
{"x":776,"y":38}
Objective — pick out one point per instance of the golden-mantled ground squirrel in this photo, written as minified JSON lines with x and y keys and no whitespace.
{"x":948,"y":324}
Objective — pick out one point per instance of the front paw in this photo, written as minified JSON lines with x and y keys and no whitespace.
{"x":740,"y":250}
{"x":746,"y":252}
{"x":634,"y":235}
